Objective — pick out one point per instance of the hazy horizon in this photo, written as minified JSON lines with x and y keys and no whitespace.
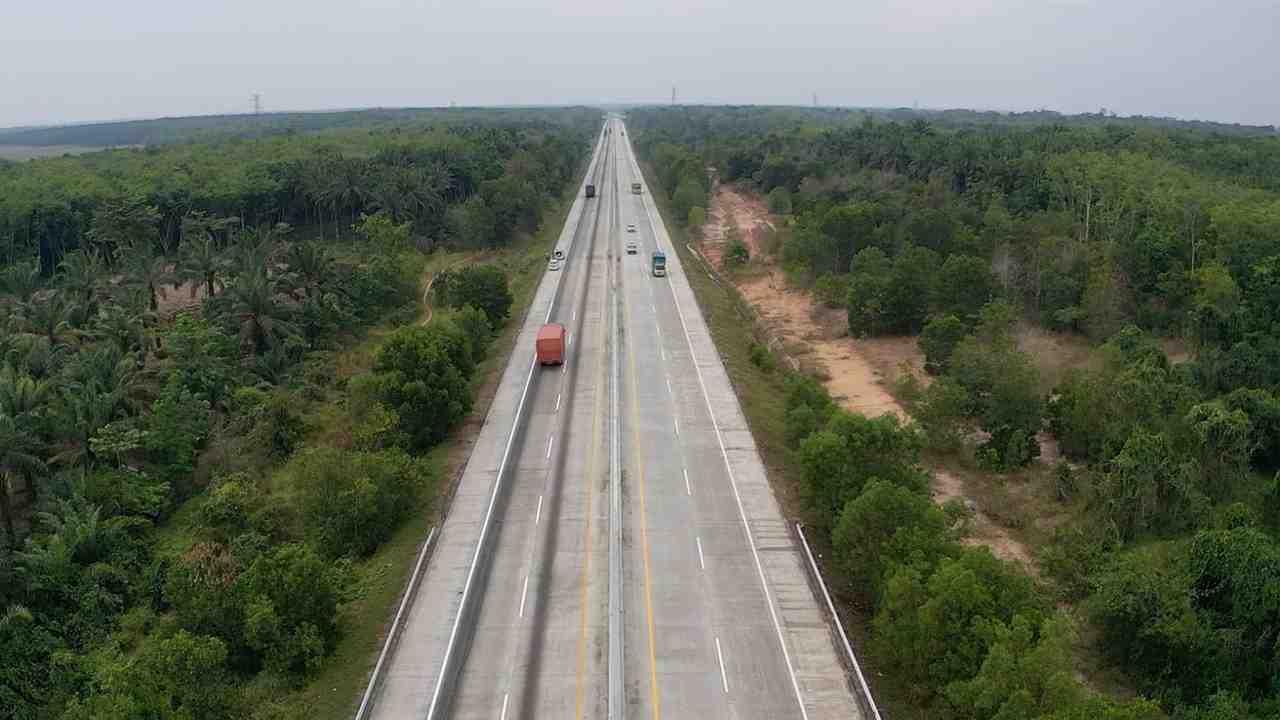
{"x":71,"y":61}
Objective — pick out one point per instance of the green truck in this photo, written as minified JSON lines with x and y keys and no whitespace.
{"x":659,"y":263}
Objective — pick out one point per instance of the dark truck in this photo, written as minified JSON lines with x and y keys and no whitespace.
{"x":591,"y":190}
{"x":659,"y":263}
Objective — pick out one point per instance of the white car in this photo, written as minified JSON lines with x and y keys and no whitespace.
{"x":632,"y":247}
{"x":555,"y":264}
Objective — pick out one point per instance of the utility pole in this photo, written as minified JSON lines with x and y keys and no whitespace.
{"x":815,"y":99}
{"x":673,"y":94}
{"x":257,"y":103}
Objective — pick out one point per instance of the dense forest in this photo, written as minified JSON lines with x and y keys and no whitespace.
{"x":190,"y":479}
{"x":959,"y":231}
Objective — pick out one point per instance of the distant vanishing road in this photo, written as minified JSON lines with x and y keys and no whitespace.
{"x":614,"y":549}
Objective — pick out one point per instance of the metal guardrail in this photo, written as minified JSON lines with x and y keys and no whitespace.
{"x":397,"y":625}
{"x":868,"y":703}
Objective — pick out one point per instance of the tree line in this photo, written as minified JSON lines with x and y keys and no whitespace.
{"x":958,"y":232}
{"x":200,"y":482}
{"x":496,"y":178}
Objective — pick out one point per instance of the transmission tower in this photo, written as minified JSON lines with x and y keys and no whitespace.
{"x":257,"y":103}
{"x":673,"y":94}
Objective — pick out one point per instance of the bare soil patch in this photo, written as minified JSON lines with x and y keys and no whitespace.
{"x":857,"y":372}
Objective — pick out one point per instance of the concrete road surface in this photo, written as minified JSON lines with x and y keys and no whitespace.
{"x":714,"y":616}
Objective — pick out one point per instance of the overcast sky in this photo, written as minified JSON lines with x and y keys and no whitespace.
{"x":79,"y":60}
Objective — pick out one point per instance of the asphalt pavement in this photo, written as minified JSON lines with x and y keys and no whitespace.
{"x":714,"y":616}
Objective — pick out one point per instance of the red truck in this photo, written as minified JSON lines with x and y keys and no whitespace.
{"x":550,"y":344}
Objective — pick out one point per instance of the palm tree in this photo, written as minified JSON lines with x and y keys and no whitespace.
{"x":122,"y":326}
{"x":16,"y":456}
{"x":347,"y":190}
{"x":50,"y":318}
{"x":264,"y":320}
{"x":201,"y":261}
{"x":24,"y":399}
{"x":150,"y":270}
{"x":312,"y":264}
{"x":82,"y":275}
{"x":20,"y":280}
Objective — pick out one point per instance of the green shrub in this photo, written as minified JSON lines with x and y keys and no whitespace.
{"x":291,"y":608}
{"x":888,"y":525}
{"x":760,"y":356}
{"x":832,"y":290}
{"x":780,"y":201}
{"x":836,"y":462}
{"x":938,"y":341}
{"x":481,"y":286}
{"x":352,"y":501}
{"x":417,"y":377}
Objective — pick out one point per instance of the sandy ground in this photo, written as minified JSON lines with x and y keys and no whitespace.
{"x":856,"y":372}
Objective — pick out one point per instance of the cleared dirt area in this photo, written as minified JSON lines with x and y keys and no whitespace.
{"x":857,"y":373}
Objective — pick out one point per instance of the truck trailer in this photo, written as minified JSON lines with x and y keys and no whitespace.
{"x":658,"y":263}
{"x":550,"y":344}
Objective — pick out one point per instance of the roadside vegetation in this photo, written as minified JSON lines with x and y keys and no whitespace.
{"x":959,"y":232}
{"x":222,"y":425}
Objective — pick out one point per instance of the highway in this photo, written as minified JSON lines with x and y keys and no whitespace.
{"x":613,"y":549}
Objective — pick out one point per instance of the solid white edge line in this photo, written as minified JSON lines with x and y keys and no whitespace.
{"x":687,"y":489}
{"x":493,"y":496}
{"x":523,"y":594}
{"x":677,"y":421}
{"x":742,"y":513}
{"x":702,"y":563}
{"x":410,"y":590}
{"x":537,"y":517}
{"x":505,"y":698}
{"x":724,"y":677}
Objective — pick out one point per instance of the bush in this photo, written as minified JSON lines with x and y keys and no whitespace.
{"x":352,"y":501}
{"x":832,"y":290}
{"x":780,"y":201}
{"x":938,"y":341}
{"x":736,"y":254}
{"x":760,"y":356}
{"x":290,"y":616}
{"x":273,"y":426}
{"x":182,"y":677}
{"x":417,"y":377}
{"x":697,"y":218}
{"x":933,"y":624}
{"x":888,"y":525}
{"x":475,"y":324}
{"x":481,"y":286}
{"x":837,"y":461}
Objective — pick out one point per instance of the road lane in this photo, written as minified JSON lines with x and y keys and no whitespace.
{"x":739,"y":632}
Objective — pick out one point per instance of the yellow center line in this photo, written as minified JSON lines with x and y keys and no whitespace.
{"x":644,"y":531}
